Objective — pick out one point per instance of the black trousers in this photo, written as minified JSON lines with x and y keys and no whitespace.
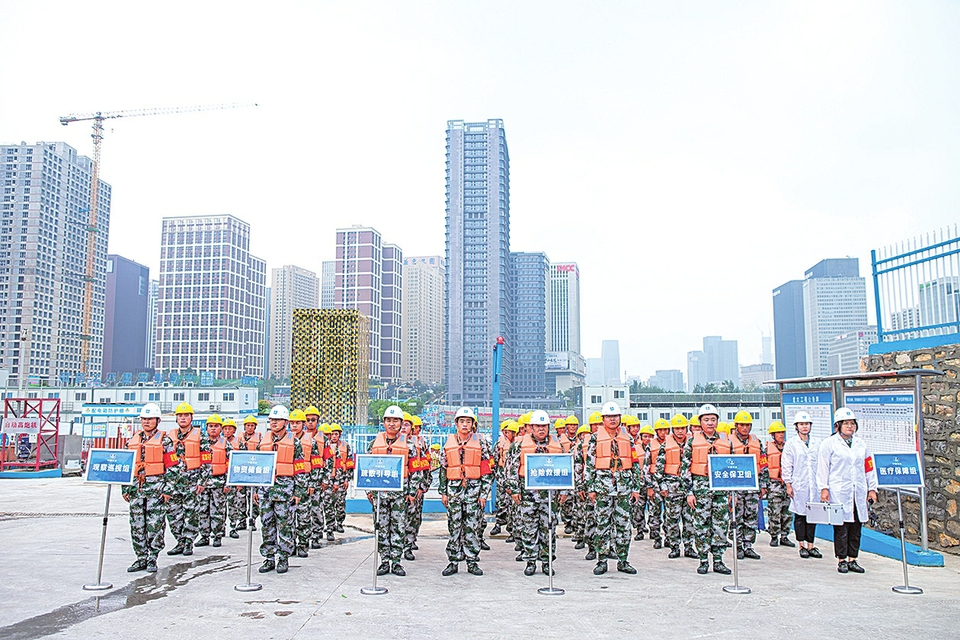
{"x":846,"y":537}
{"x":806,"y":531}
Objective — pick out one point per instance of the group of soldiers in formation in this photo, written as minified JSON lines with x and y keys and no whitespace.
{"x":181,"y":480}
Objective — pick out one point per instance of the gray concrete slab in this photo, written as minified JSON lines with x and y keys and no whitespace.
{"x":50,"y":535}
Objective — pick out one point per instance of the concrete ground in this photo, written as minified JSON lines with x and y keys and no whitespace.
{"x":50,"y":537}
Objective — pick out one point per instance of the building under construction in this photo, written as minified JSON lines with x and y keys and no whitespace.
{"x":331,"y":363}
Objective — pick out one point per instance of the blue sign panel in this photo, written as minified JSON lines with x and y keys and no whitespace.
{"x":251,"y":468}
{"x":733,"y":473}
{"x":548,"y":471}
{"x":206,"y":378}
{"x":898,"y":469}
{"x":379,"y":473}
{"x":111,"y":466}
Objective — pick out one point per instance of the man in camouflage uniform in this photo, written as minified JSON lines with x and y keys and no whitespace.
{"x":278,"y":501}
{"x":212,"y":503}
{"x":503,"y":511}
{"x":586,"y":529}
{"x":340,"y":467}
{"x":674,"y":492}
{"x":612,"y":479}
{"x":248,"y":441}
{"x":315,"y":500}
{"x":420,"y":476}
{"x":465,"y":480}
{"x":568,"y":442}
{"x":711,"y":511}
{"x":302,"y":513}
{"x":146,"y":495}
{"x":661,"y":429}
{"x":747,"y":512}
{"x":771,"y":478}
{"x":186,"y":480}
{"x":235,"y":510}
{"x":639,"y":512}
{"x":536,"y":516}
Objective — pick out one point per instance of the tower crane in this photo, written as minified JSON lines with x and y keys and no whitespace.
{"x":86,"y":334}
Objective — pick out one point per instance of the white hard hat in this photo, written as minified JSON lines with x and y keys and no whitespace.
{"x":843,"y":414}
{"x":464,"y":412}
{"x":610,"y":409}
{"x":708,"y":410}
{"x":802,"y":416}
{"x":393,"y":411}
{"x":279,"y":411}
{"x":540,"y":417}
{"x":151,"y":410}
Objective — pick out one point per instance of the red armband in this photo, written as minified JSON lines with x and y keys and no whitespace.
{"x":485,"y":467}
{"x":206,"y":457}
{"x":299,"y":466}
{"x":868,"y":464}
{"x":170,"y":459}
{"x":762,"y":461}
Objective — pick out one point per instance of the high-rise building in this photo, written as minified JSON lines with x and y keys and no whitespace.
{"x":846,"y":349}
{"x":126,"y":317}
{"x":594,"y":375}
{"x":788,"y":330}
{"x":752,"y":376}
{"x":478,"y":259}
{"x":834,"y":302}
{"x":940,"y":302}
{"x":210,"y":316}
{"x":566,"y":367}
{"x":610,"y":353}
{"x":368,"y":278}
{"x":152,"y":303}
{"x":667,"y":379}
{"x":328,"y":280}
{"x":716,"y":363}
{"x":291,"y":288}
{"x":44,"y":220}
{"x":267,"y":330}
{"x":422,"y":355}
{"x":530,"y":292}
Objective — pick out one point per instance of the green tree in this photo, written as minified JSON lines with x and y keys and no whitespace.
{"x":263,"y":408}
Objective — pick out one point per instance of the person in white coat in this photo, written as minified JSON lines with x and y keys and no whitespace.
{"x":799,"y":468}
{"x":846,"y":475}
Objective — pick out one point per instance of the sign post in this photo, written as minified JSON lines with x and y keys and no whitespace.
{"x":549,"y":472}
{"x":378,"y":473}
{"x":734,"y":473}
{"x":109,"y":467}
{"x":898,"y":471}
{"x":251,"y":469}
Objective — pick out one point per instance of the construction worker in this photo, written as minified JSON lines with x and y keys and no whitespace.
{"x":154,"y":453}
{"x":391,"y":513}
{"x":212,"y":503}
{"x":235,"y":508}
{"x":747,"y":511}
{"x":588,"y":522}
{"x":465,"y":479}
{"x":278,"y":501}
{"x":334,"y":497}
{"x":186,"y":480}
{"x":569,"y":441}
{"x":503,"y":509}
{"x":723,"y":428}
{"x":778,"y":502}
{"x":661,"y":429}
{"x":638,"y":511}
{"x":678,"y":527}
{"x":711,"y":509}
{"x":537,"y":517}
{"x":613,"y":479}
{"x":323,"y":467}
{"x":694,"y":424}
{"x":419,"y":476}
{"x":301,"y":514}
{"x":249,"y":440}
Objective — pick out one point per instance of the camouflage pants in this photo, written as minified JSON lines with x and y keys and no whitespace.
{"x":655,"y":505}
{"x":587,"y":529}
{"x":465,"y":520}
{"x":182,"y":512}
{"x":566,"y":511}
{"x":744,"y":519}
{"x":778,"y":510}
{"x":237,"y":506}
{"x":638,"y":513}
{"x":391,"y":524}
{"x":147,"y":523}
{"x":277,"y":519}
{"x":302,"y":521}
{"x":318,"y":508}
{"x":504,"y":508}
{"x":341,"y":506}
{"x":211,"y":512}
{"x":678,"y":528}
{"x":612,"y":522}
{"x":711,"y":520}
{"x":414,"y":520}
{"x":534,"y":524}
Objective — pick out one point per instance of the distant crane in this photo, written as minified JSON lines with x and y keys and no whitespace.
{"x":86,"y":334}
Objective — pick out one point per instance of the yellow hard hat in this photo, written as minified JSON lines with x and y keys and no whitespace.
{"x":776,"y":427}
{"x":435,"y":447}
{"x":572,"y":419}
{"x":647,"y":429}
{"x":297,"y":416}
{"x":595,"y":418}
{"x":506,"y":423}
{"x":230,"y":422}
{"x":407,"y":417}
{"x":679,"y":422}
{"x":525,"y":418}
{"x":417,"y":422}
{"x":743,"y":417}
{"x":661,"y":423}
{"x":630,"y":420}
{"x":183,"y":407}
{"x":585,"y":428}
{"x":311,"y":411}
{"x":334,"y":427}
{"x":559,"y":424}
{"x":214,"y":419}
{"x":695,"y":421}
{"x":723,"y":427}
{"x":250,"y":420}
{"x":514,"y":426}
{"x":325,"y":428}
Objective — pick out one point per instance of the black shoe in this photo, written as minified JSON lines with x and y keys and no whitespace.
{"x":474,"y":569}
{"x":657,"y":544}
{"x":408,"y":555}
{"x":787,"y":542}
{"x":177,"y":550}
{"x":152,"y":565}
{"x":397,"y":570}
{"x":302,"y":552}
{"x":601,"y":568}
{"x":719,"y":567}
{"x":639,"y":536}
{"x":139,"y":565}
{"x":519,"y":557}
{"x":853,"y":566}
{"x":253,"y":527}
{"x":484,"y":546}
{"x":545,"y":568}
{"x":842,"y":566}
{"x":384,"y":568}
{"x":568,"y":529}
{"x":282,"y":565}
{"x":814,"y":552}
{"x":625,"y":567}
{"x":339,"y":528}
{"x":413,"y":546}
{"x":202,"y":542}
{"x":531,"y":569}
{"x":703,"y":568}
{"x":739,"y":555}
{"x":690,"y":553}
{"x":217,"y":543}
{"x":591,"y":555}
{"x":510,"y":539}
{"x":330,"y":536}
{"x":774,"y":542}
{"x":267,"y":566}
{"x":674,"y":553}
{"x":804,"y":553}
{"x":516,"y":547}
{"x":750,"y":553}
{"x":188,"y":548}
{"x":580,"y":545}
{"x":316,"y":544}
{"x":496,"y":530}
{"x":234,"y":534}
{"x":451,"y":569}
{"x":241,"y":527}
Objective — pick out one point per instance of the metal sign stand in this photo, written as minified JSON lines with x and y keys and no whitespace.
{"x":375,"y":590}
{"x":735,"y":588}
{"x":250,"y":586}
{"x":905,"y":587}
{"x":551,"y":528}
{"x":100,"y":584}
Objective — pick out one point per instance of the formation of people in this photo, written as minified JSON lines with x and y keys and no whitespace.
{"x":627,"y":477}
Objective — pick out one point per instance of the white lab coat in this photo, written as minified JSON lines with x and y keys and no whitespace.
{"x":798,"y":466}
{"x":841,"y":469}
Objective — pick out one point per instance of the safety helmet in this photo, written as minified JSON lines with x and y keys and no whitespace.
{"x":311,"y":411}
{"x":661,"y":423}
{"x":539,"y":417}
{"x":695,"y":421}
{"x":678,"y":422}
{"x":559,"y":424}
{"x":251,"y":420}
{"x":230,"y":422}
{"x":215,"y":419}
{"x":595,"y":418}
{"x":467,"y":412}
{"x":183,"y":407}
{"x":647,"y":429}
{"x":407,"y":417}
{"x":524,"y":418}
{"x":393,"y":411}
{"x":334,"y":427}
{"x":610,"y":409}
{"x":151,"y":410}
{"x":707,"y":410}
{"x":279,"y":412}
{"x":572,"y":419}
{"x":723,"y":427}
{"x":297,"y":416}
{"x":776,"y":427}
{"x":584,"y":428}
{"x":505,"y":424}
{"x":435,"y":447}
{"x":842,"y":414}
{"x":801,"y":416}
{"x":743,"y":417}
{"x":513,"y":427}
{"x":324,"y":428}
{"x":417,"y":422}
{"x":632,"y":420}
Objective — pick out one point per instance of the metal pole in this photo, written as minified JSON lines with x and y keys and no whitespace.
{"x":497,"y":365}
{"x":375,"y":590}
{"x":918,"y":410}
{"x":249,"y":586}
{"x":736,"y":588}
{"x":100,"y":585}
{"x":905,"y":587}
{"x":551,"y":529}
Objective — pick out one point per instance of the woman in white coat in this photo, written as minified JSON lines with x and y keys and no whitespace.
{"x":846,"y":475}
{"x":799,"y":468}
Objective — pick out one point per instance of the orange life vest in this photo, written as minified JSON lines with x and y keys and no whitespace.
{"x":503,"y":447}
{"x":604,"y":453}
{"x":702,"y":448}
{"x":250,"y":443}
{"x":340,"y":458}
{"x":421,"y":461}
{"x":565,"y":443}
{"x":655,"y":446}
{"x":672,"y":451}
{"x":398,"y":447}
{"x":529,"y":445}
{"x":306,"y":446}
{"x":470,"y":468}
{"x":191,"y":446}
{"x":773,"y":460}
{"x":218,"y":457}
{"x":152,"y":453}
{"x":286,"y":466}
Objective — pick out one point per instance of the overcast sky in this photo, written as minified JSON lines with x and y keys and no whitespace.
{"x":690,"y":156}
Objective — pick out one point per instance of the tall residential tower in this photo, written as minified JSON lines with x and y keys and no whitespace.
{"x":423,"y":356}
{"x":290,"y":288}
